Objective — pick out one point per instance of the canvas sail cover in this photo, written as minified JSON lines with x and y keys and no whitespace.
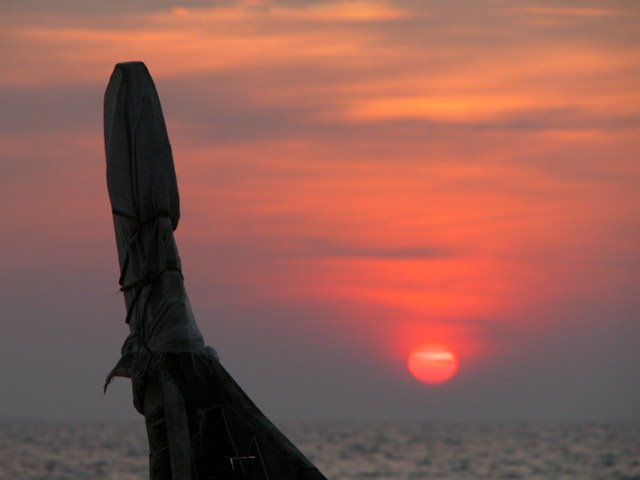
{"x":146,"y":209}
{"x":200,"y":423}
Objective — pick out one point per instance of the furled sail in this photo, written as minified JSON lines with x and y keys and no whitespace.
{"x":200,"y":423}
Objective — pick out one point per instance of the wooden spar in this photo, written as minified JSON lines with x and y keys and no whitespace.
{"x":200,"y":423}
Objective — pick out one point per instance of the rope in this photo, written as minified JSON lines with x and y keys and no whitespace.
{"x":150,"y":277}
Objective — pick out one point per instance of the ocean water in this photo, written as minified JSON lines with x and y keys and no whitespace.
{"x":389,"y":451}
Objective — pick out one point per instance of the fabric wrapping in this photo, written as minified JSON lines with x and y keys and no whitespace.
{"x":200,"y":424}
{"x":146,"y":209}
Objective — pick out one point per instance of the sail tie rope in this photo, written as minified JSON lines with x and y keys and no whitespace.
{"x":150,"y":277}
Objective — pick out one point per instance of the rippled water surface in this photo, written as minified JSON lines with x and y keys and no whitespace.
{"x":348,"y":451}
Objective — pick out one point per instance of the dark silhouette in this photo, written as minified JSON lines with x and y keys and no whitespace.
{"x":200,"y":424}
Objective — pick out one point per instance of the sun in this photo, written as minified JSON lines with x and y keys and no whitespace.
{"x":432,"y":363}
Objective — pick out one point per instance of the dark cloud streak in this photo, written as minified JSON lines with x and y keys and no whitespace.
{"x":334,"y":248}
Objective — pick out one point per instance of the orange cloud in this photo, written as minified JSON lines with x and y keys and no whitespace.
{"x":183,"y":41}
{"x":435,"y":175}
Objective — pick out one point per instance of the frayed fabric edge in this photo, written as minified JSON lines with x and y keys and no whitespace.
{"x":137,"y":365}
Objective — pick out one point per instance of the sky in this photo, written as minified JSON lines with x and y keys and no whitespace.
{"x":357,"y":179}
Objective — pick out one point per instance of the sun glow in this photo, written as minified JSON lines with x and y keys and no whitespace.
{"x":433,"y":363}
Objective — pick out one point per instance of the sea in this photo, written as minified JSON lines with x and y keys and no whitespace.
{"x":380,"y":451}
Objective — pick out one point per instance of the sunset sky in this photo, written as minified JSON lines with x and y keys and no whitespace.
{"x":357,"y":179}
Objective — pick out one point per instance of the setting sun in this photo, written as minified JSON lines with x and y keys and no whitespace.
{"x":432,"y":363}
